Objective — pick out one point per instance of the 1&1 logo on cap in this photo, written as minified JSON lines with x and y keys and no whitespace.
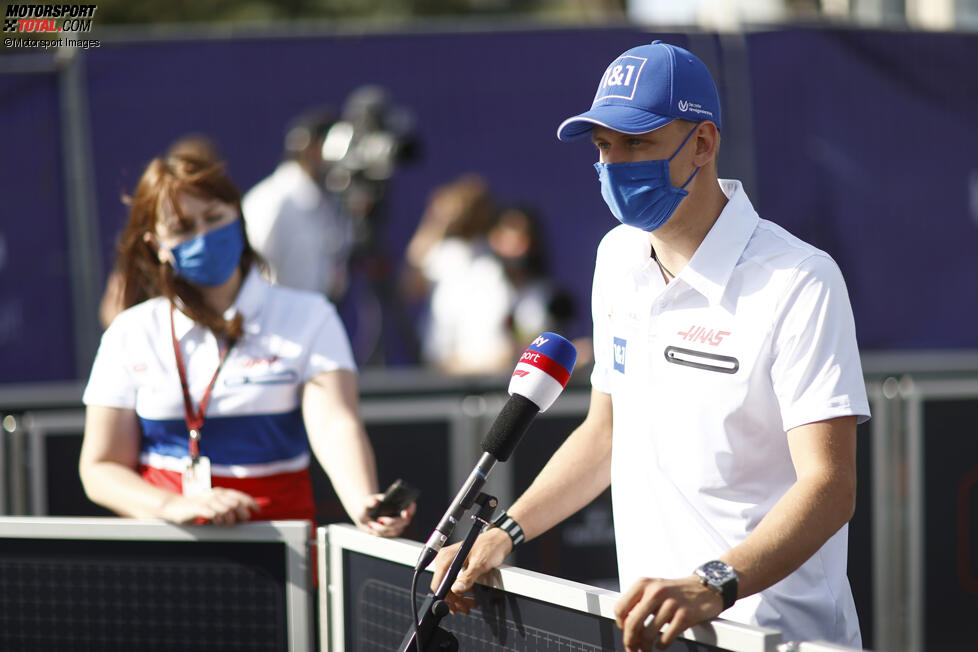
{"x":621,"y":78}
{"x":619,"y":353}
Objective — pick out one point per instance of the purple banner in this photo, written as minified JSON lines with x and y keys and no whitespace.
{"x":865,"y":147}
{"x":36,"y":339}
{"x":861,"y":143}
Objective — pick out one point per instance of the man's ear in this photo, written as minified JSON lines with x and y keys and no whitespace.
{"x":707,"y":143}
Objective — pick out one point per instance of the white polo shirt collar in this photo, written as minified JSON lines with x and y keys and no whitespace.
{"x":248,"y":302}
{"x":250,"y":299}
{"x":710,"y":267}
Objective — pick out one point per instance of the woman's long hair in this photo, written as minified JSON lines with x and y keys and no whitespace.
{"x":186,"y":170}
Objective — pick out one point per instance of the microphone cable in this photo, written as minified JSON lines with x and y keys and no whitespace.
{"x":414,"y":609}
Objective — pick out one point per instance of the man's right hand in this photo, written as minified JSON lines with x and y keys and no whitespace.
{"x":487,"y":554}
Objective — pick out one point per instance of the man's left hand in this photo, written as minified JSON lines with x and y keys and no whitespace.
{"x":659,"y":610}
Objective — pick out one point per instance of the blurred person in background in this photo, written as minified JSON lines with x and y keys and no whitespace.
{"x":210,"y":388}
{"x":465,"y":325}
{"x":293,"y":223}
{"x":539,"y":303}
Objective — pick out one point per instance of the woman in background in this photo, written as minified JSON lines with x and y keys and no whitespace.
{"x":464,"y":328}
{"x":205,"y":399}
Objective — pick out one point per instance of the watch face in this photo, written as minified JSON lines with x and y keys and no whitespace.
{"x":715,"y":572}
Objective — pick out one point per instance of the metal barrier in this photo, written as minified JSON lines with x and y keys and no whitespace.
{"x":905,"y":528}
{"x":15,"y":465}
{"x":814,"y":646}
{"x":113,"y":583}
{"x":941,"y":422}
{"x":8,"y":424}
{"x":66,"y":578}
{"x":39,"y":427}
{"x":365,"y":601}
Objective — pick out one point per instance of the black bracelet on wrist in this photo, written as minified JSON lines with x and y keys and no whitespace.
{"x":506,"y":523}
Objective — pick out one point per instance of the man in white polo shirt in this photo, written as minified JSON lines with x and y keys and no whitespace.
{"x":726,"y":387}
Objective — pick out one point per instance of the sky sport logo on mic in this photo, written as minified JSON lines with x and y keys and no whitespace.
{"x":544,"y":369}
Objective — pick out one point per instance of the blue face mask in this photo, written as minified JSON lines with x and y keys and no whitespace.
{"x":640,"y":194}
{"x":210,"y":258}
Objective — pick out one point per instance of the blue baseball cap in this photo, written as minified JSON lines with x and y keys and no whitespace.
{"x":646,"y":88}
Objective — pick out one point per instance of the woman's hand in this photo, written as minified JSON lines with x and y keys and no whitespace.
{"x":219,"y":505}
{"x":384,"y":526}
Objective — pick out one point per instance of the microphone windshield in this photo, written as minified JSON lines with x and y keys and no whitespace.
{"x":543,"y":370}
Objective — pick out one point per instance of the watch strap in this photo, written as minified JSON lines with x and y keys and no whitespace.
{"x":506,"y":523}
{"x":729,"y":593}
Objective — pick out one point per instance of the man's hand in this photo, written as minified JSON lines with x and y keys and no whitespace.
{"x":662,"y":609}
{"x":487,"y":554}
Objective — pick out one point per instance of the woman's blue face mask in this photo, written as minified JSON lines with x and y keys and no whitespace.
{"x":210,"y":258}
{"x":640,"y":193}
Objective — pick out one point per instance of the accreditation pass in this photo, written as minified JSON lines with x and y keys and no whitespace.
{"x":196,"y":476}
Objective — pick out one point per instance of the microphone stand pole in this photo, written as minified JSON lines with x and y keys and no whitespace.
{"x":433,"y":638}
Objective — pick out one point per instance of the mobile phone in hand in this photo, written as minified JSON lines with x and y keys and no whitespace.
{"x":397,"y":498}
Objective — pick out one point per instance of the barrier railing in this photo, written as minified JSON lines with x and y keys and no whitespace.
{"x":114,"y":583}
{"x":364,"y":592}
{"x":914,"y":526}
{"x":123,"y":584}
{"x":941,"y":527}
{"x":7,"y":425}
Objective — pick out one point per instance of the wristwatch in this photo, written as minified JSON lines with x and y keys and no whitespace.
{"x":505,"y":523}
{"x":722,"y":578}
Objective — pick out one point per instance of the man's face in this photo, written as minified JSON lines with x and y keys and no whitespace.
{"x":616,"y":147}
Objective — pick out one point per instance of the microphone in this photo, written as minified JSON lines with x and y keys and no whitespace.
{"x":540,"y":376}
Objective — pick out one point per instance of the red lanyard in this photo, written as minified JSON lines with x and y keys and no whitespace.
{"x":195,"y":418}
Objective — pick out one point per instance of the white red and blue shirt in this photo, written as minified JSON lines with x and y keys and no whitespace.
{"x":253,"y":430}
{"x":754,"y":337}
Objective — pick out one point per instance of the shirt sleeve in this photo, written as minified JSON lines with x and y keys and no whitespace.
{"x":817,"y":374}
{"x":110,"y":383}
{"x":603,"y":348}
{"x":329,"y":348}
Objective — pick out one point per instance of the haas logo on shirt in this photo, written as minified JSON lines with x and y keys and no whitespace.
{"x":619,"y":351}
{"x":702,"y":335}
